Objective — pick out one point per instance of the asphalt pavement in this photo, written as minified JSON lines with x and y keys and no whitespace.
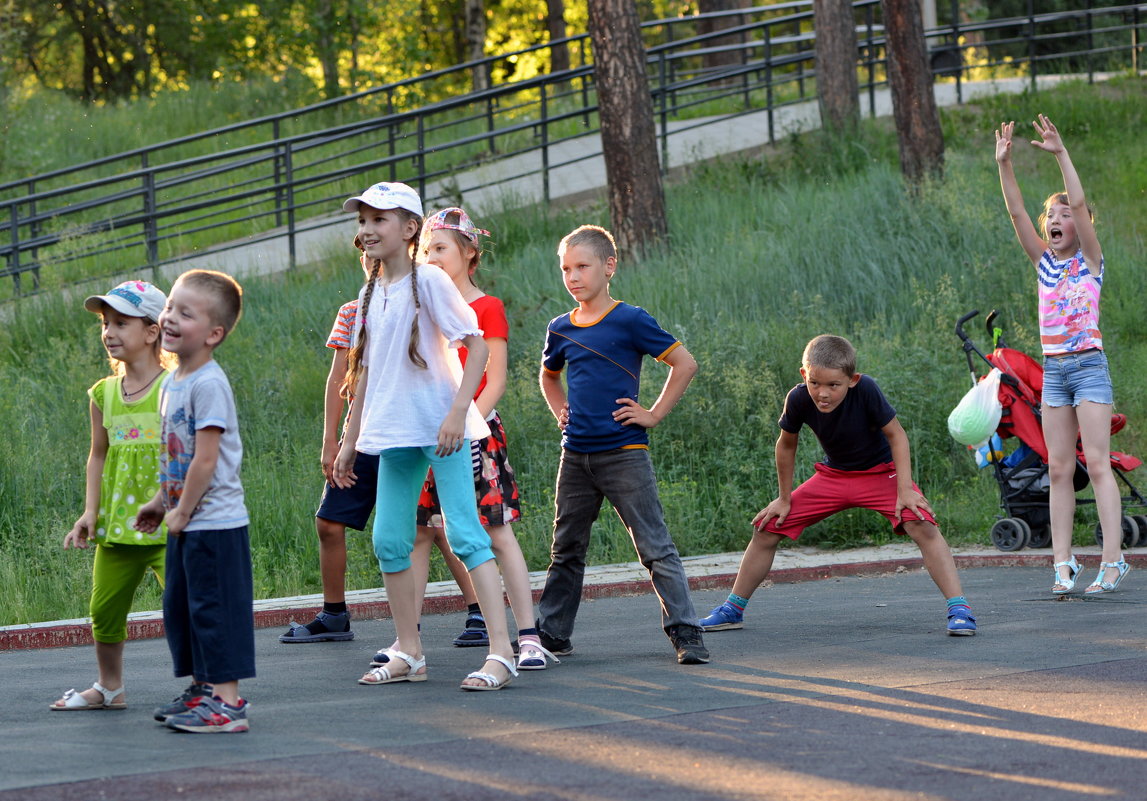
{"x":846,"y":687}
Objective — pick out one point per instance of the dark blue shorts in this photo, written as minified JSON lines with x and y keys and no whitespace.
{"x":207,"y":605}
{"x":352,"y":506}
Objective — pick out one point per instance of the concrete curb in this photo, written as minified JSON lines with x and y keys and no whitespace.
{"x":62,"y":634}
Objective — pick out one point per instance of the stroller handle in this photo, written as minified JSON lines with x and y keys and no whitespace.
{"x":960,"y":324}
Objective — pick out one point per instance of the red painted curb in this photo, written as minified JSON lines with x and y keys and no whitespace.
{"x":73,"y":634}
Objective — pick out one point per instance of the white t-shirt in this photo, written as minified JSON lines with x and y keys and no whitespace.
{"x":404,"y":405}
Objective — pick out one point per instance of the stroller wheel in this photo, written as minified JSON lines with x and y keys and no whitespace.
{"x":1130,"y":532}
{"x":1141,"y":521}
{"x":1040,"y":538}
{"x":1010,"y":534}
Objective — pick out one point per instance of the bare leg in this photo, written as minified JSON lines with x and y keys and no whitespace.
{"x":109,"y":660}
{"x":488,"y":586}
{"x":420,"y":563}
{"x":1095,"y":428}
{"x":332,"y":559}
{"x":937,"y":556}
{"x":455,"y":566}
{"x":400,"y":593}
{"x":228,"y":691}
{"x":515,"y":574}
{"x":756,"y":563}
{"x":1059,"y":432}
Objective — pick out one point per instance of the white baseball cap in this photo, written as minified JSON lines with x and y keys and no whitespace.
{"x":387,"y":196}
{"x":131,"y":299}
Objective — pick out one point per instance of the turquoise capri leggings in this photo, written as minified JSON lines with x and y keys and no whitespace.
{"x":401,"y":473}
{"x":117,"y":571}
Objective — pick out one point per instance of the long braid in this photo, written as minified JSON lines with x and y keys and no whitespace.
{"x":412,"y":350}
{"x":354,"y":357}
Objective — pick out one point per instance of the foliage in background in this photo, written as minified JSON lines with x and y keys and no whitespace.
{"x":817,"y":236}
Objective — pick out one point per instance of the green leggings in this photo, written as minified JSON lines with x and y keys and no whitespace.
{"x":116,"y":573}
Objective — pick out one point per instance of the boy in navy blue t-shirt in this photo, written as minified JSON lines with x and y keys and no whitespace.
{"x":605,"y":441}
{"x":867,"y":465}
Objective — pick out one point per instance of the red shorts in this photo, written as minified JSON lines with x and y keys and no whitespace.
{"x":829,"y":491}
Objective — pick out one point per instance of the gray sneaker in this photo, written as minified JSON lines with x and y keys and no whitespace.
{"x":194,"y":693}
{"x":211,"y":716}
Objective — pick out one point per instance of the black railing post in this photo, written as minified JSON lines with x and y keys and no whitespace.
{"x":150,"y":225}
{"x":769,"y":80}
{"x":277,"y":176}
{"x":391,"y":135}
{"x":1031,"y":43}
{"x":420,"y":157}
{"x":14,"y":227}
{"x":958,"y":50}
{"x":545,"y":147}
{"x":1135,"y":40}
{"x":34,"y":230}
{"x":663,"y":112}
{"x":289,"y":175}
{"x":490,"y":124}
{"x":870,"y":61}
{"x":1090,"y":46}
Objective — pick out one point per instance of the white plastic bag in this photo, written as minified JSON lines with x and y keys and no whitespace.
{"x":976,"y":416}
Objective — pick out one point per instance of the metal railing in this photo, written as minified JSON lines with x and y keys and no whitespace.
{"x":150,"y":207}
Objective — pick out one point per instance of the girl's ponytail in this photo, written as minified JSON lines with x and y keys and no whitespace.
{"x":354,"y":357}
{"x":412,"y":350}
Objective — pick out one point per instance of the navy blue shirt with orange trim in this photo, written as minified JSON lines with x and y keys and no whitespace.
{"x":604,"y":359}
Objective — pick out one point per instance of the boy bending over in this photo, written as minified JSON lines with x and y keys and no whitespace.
{"x":864,"y":447}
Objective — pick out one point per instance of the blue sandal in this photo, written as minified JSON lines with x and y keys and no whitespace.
{"x":1101,"y":585}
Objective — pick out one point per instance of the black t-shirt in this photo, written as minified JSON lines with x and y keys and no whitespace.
{"x":851,"y":433}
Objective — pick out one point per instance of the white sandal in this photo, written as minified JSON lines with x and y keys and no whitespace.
{"x":1066,"y":585}
{"x":491,"y":681}
{"x":382,"y":674}
{"x":74,"y":701}
{"x":532,"y":655}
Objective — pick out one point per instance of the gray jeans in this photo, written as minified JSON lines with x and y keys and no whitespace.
{"x":626,"y":478}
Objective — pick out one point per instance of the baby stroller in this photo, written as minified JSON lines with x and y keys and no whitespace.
{"x":1022,"y":475}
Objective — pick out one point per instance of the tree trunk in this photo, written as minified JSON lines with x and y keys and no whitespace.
{"x":913,"y":103}
{"x":327,"y":48}
{"x":476,"y":42}
{"x":837,"y":88}
{"x":628,"y":136}
{"x":724,"y":58}
{"x":556,"y":25}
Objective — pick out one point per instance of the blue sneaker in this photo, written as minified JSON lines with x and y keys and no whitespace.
{"x":724,"y":618}
{"x":960,"y":621}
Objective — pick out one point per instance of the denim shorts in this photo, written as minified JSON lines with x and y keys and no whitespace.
{"x":1069,"y":379}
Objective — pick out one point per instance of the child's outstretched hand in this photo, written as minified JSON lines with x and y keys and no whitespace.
{"x":82,"y":531}
{"x":778,"y":509}
{"x":1049,"y":137}
{"x":1004,"y":141}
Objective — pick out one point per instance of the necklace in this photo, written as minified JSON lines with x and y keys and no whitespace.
{"x":129,"y":395}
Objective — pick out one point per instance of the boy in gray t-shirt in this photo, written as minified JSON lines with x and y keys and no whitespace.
{"x":207,"y":600}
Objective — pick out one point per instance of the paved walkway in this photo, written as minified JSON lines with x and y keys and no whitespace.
{"x":715,"y":571}
{"x":846,"y":688}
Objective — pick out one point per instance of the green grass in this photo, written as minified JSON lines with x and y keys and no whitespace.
{"x":817,"y":236}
